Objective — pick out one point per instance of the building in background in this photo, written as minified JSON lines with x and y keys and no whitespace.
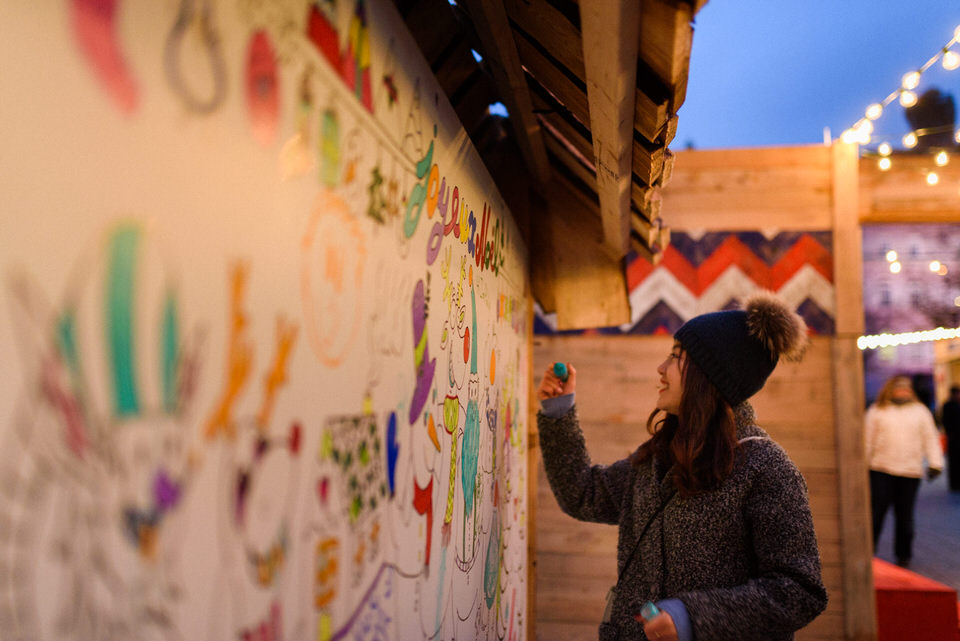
{"x":911,"y":282}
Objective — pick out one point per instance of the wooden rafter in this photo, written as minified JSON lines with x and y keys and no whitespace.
{"x":493,"y":28}
{"x":611,"y":31}
{"x":666,"y":36}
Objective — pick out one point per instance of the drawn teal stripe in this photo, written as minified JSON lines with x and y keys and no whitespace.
{"x":170,"y":338}
{"x":120,"y":338}
{"x":473,"y":339}
{"x":67,"y":343}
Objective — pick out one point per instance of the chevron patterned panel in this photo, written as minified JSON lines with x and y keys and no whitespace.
{"x":705,"y":272}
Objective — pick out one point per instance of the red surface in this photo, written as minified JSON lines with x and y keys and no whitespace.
{"x":911,"y":606}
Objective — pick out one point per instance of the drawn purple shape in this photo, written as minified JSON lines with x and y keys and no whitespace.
{"x":423,"y":365}
{"x":166,"y":491}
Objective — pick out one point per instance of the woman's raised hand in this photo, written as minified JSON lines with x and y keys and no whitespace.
{"x":551,"y":385}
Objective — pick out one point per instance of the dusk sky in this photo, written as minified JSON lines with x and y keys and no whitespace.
{"x":768,"y":73}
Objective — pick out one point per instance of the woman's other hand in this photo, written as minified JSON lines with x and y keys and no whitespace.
{"x":551,"y":386}
{"x":660,"y":628}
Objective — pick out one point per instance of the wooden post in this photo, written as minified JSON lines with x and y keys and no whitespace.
{"x":533,"y":459}
{"x":860,"y":620}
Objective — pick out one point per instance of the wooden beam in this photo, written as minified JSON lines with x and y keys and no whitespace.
{"x":860,"y":623}
{"x":666,"y":37}
{"x":902,"y":195}
{"x":560,"y":156}
{"x":543,"y":276}
{"x":758,"y":188}
{"x":550,"y":28}
{"x":650,"y":117}
{"x":554,"y":80}
{"x":590,"y":286}
{"x":611,"y":30}
{"x":533,"y":462}
{"x":648,"y":161}
{"x":493,"y":28}
{"x":433,"y":28}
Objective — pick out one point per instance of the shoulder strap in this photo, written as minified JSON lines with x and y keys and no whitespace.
{"x":660,"y":509}
{"x":636,"y":545}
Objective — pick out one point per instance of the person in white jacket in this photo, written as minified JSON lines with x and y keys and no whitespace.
{"x":900,"y":434}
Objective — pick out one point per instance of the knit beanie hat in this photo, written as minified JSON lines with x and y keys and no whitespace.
{"x":738,"y":349}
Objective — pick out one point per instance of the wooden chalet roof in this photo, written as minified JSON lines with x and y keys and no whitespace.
{"x":592,"y":90}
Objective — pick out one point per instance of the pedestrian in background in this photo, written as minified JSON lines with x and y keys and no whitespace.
{"x":900,"y":433}
{"x":950,"y":417}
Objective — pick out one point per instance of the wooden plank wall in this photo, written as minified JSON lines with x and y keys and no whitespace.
{"x":788,"y":188}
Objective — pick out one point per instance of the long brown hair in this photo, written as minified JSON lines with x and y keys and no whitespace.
{"x":886,"y":392}
{"x":701,"y":441}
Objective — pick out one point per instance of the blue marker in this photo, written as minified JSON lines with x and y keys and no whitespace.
{"x":560,"y":370}
{"x":649,"y":610}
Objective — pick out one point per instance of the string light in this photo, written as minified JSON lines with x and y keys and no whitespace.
{"x":907,"y":338}
{"x":908,"y":99}
{"x":862,"y":131}
{"x":951,"y":60}
{"x":895,"y":267}
{"x":934,"y":266}
{"x":891,"y":256}
{"x":911,"y":80}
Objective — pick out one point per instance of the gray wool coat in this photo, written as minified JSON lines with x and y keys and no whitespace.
{"x":743,"y":558}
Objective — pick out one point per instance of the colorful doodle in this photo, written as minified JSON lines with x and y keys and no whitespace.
{"x":331,"y":278}
{"x":215,"y":479}
{"x":94,"y":27}
{"x":263,"y":91}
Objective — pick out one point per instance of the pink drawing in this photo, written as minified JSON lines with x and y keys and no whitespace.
{"x":95,"y":30}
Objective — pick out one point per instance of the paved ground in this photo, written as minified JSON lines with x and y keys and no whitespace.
{"x":936,"y":547}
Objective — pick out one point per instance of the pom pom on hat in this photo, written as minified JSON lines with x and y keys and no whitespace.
{"x":738,"y":349}
{"x":781,"y":330}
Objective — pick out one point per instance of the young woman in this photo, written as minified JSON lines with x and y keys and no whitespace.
{"x":899,"y":432}
{"x":714,"y":522}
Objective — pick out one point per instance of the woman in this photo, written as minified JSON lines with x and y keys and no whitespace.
{"x":899,"y":432}
{"x":714,"y":523}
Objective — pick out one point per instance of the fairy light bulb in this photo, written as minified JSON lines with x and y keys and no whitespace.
{"x":933,"y":178}
{"x":910,"y":80}
{"x":884,"y":163}
{"x":951,"y":60}
{"x":908,"y":99}
{"x":956,"y":34}
{"x":910,"y":140}
{"x":934,"y":265}
{"x":884,"y":149}
{"x":941,"y":159}
{"x":874,"y":111}
{"x":891,"y":255}
{"x":895,"y":267}
{"x":849,"y":136}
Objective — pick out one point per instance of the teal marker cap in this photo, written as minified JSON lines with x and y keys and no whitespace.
{"x":649,"y":610}
{"x":560,"y":369}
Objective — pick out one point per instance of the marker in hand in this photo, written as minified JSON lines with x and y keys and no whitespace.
{"x":649,"y":610}
{"x":560,"y":370}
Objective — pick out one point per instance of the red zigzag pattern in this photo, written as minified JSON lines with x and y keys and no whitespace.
{"x":806,"y":251}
